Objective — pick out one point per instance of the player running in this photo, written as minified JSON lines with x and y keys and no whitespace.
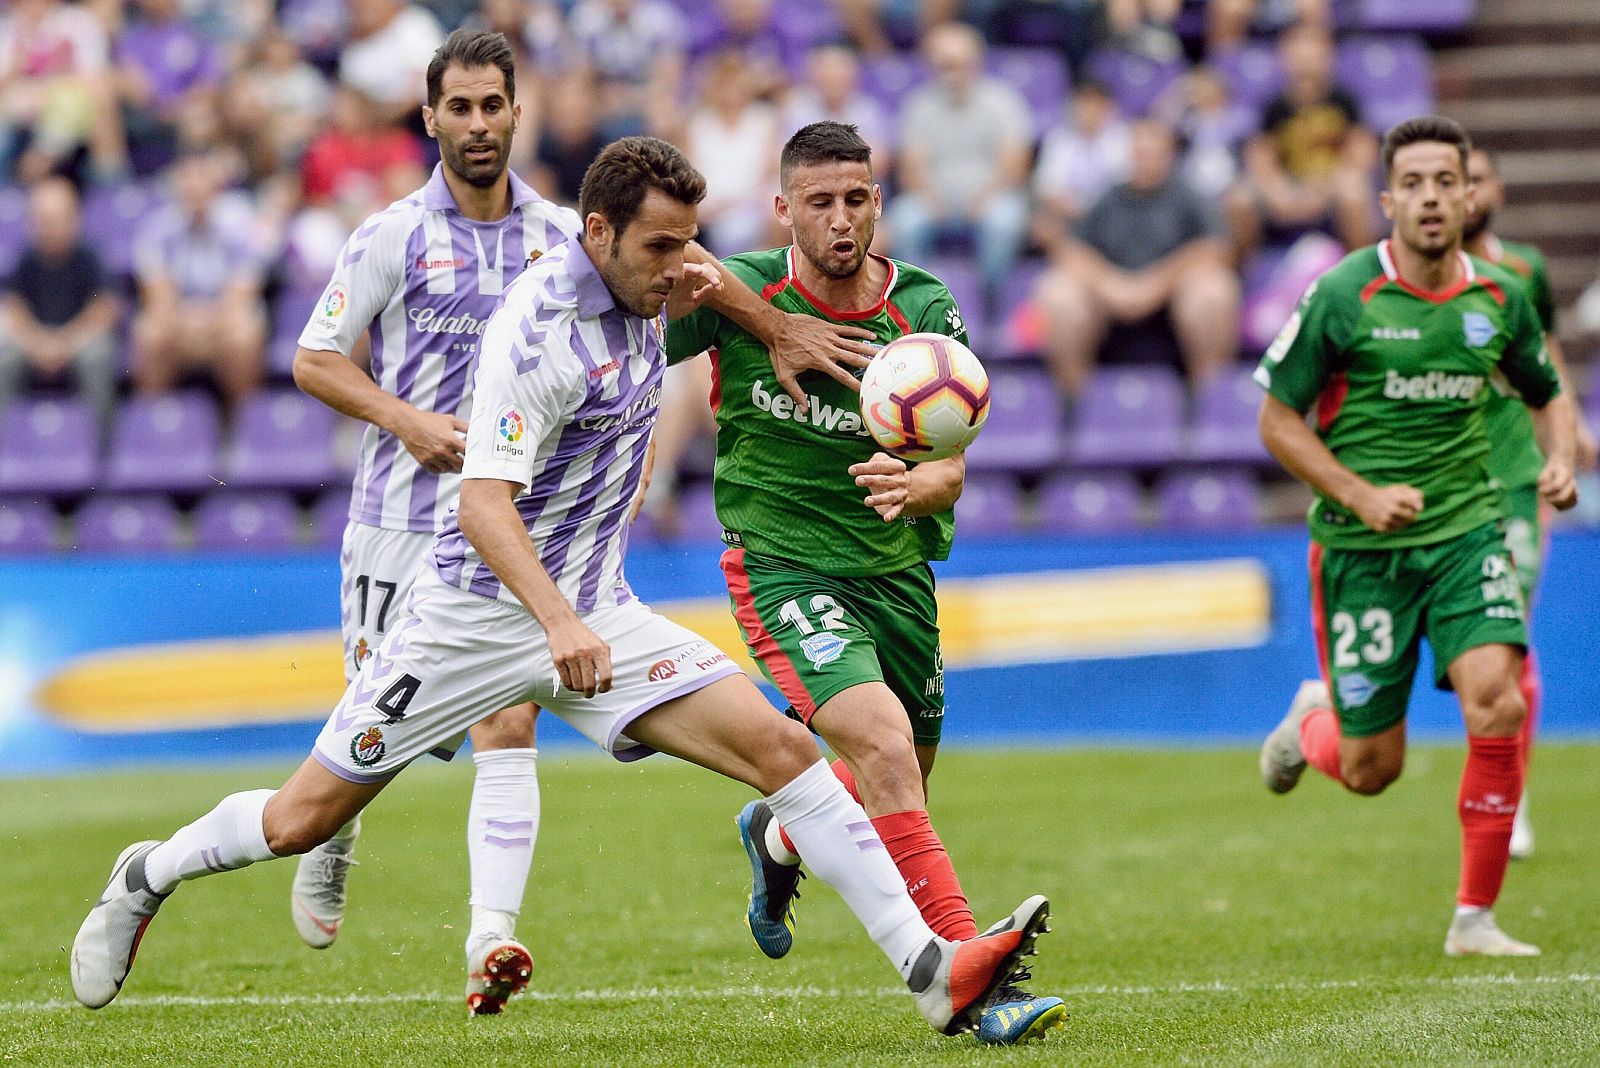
{"x":526,"y":600}
{"x":829,"y":541}
{"x":1514,"y":457}
{"x":1394,"y":348}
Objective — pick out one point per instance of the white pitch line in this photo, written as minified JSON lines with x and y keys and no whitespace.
{"x":656,"y":993}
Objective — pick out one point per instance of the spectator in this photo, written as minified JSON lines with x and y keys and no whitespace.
{"x":391,"y":43}
{"x":569,"y":139}
{"x":163,"y":62}
{"x":751,"y":27}
{"x":1079,"y":158}
{"x":53,"y":68}
{"x":58,"y":312}
{"x":634,"y":50}
{"x":1144,"y":26}
{"x":1230,"y":22}
{"x":832,"y":90}
{"x":536,"y":32}
{"x":199,"y":288}
{"x":274,"y":104}
{"x":733,"y":139}
{"x":1210,"y":127}
{"x":347,"y":160}
{"x":1067,"y":25}
{"x":1149,"y":247}
{"x":965,"y":141}
{"x":877,"y":27}
{"x":1311,"y":166}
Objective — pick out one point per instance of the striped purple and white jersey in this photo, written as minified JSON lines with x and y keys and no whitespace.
{"x":423,"y":279}
{"x":567,"y":389}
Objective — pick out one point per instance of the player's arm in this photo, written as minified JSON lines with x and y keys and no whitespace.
{"x":1529,"y":367}
{"x":1556,"y":425}
{"x":1302,"y":453}
{"x":895,"y":490}
{"x":1586,"y":451}
{"x":490,"y":521}
{"x":795,"y":342}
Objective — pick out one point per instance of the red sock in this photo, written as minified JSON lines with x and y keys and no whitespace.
{"x":930,"y":878}
{"x":841,"y":771}
{"x":1533,"y":695}
{"x":1319,"y":741}
{"x":1491,"y":785}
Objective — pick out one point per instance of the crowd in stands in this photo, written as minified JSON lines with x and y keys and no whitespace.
{"x":1126,"y":196}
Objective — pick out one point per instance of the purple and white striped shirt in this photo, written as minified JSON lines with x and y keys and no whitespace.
{"x":423,"y":279}
{"x":567,"y":389}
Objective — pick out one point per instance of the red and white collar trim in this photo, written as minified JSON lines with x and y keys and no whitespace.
{"x":1468,"y":275}
{"x":792,"y":267}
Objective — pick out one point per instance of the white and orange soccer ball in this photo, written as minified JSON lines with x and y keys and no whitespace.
{"x":924,"y":397}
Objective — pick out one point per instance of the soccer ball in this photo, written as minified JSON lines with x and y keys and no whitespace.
{"x":924,"y":397}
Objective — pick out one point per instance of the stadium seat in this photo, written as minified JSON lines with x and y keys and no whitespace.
{"x":1135,"y":80}
{"x":990,"y":504}
{"x":13,"y":226}
{"x":697,"y":514}
{"x":1252,"y":74}
{"x":27,"y":526}
{"x":135,"y":523}
{"x":229,"y":521}
{"x":1224,"y":426}
{"x":1128,"y":417}
{"x":111,"y":218}
{"x":283,"y":439}
{"x":1222,"y":500}
{"x":329,"y":515}
{"x":1040,"y":75}
{"x":1391,"y":76}
{"x":1016,"y":327}
{"x":1104,"y":502}
{"x":960,"y":276}
{"x":167,"y":442}
{"x":1435,"y":16}
{"x":291,"y":308}
{"x":49,"y":446}
{"x":889,"y":78}
{"x":1024,"y":428}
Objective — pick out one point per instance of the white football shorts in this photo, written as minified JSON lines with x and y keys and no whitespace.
{"x":455,"y":657}
{"x":376,"y":570}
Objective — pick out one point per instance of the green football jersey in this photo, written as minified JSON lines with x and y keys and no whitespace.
{"x":1514,"y":457}
{"x":1399,"y":378}
{"x":783,"y":487}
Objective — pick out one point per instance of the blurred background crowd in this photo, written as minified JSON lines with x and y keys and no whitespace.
{"x":1125,"y":196}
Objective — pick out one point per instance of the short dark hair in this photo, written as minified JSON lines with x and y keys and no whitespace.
{"x":625,"y":170}
{"x":1430,"y":128}
{"x":472,"y":48}
{"x":1489,"y":154}
{"x":822,"y":142}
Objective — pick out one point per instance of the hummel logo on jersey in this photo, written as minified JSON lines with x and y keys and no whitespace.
{"x":1435,"y":385}
{"x":1396,"y":333}
{"x":425,"y":264}
{"x":781,"y":405}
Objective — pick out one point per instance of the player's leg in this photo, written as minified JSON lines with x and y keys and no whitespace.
{"x":502,"y":828}
{"x":1527,"y":538}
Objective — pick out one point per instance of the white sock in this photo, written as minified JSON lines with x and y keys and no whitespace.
{"x":502,"y":826}
{"x":843,"y":850}
{"x":1470,"y":910}
{"x":230,"y":836}
{"x":775,"y":847}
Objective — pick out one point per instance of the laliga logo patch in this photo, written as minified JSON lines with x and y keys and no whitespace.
{"x":823,"y":648}
{"x":1355,"y":690}
{"x":333,"y":304}
{"x":1479,"y":330}
{"x":661,"y":671}
{"x":367,"y":748}
{"x":510,"y":427}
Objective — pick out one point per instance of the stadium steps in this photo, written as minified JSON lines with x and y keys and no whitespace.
{"x":1525,"y":81}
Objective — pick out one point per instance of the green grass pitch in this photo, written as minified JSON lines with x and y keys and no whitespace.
{"x":1198,"y":920}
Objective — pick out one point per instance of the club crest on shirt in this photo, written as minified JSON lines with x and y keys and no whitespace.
{"x":510,"y":428}
{"x":534,"y":255}
{"x":660,"y":324}
{"x":367,"y":748}
{"x":823,"y":648}
{"x":1478,"y":328}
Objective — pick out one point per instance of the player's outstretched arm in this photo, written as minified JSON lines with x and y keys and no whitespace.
{"x":795,"y":342}
{"x":895,"y":490}
{"x":1303,"y":454}
{"x":433,"y":438}
{"x":490,"y":522}
{"x":1556,"y":425}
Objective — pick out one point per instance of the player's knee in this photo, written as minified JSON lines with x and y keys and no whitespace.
{"x":510,"y":728}
{"x":1369,"y":776}
{"x":788,"y":753}
{"x":1495,"y":711}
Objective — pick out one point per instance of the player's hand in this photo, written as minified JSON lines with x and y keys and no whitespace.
{"x":1386,"y":509}
{"x":644,"y":481}
{"x":806,"y":343}
{"x":436,"y":439}
{"x":697,"y":282}
{"x":582,"y":660}
{"x":888,"y":484}
{"x":1587,"y":452}
{"x":1557,"y":485}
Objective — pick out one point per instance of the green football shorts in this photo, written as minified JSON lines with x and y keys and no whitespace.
{"x":816,"y":635}
{"x":1371,"y":608}
{"x":1527,"y":527}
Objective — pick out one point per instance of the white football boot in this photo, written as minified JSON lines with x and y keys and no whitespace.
{"x":955,"y":981}
{"x":1475,"y":934}
{"x":497,"y":968}
{"x":317,"y":898}
{"x":1282,"y":762}
{"x":103,"y":952}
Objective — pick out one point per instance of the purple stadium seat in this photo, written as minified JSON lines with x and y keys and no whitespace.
{"x":1103,"y":502}
{"x":1391,"y":76}
{"x":49,"y":446}
{"x":246,"y":522}
{"x":1435,"y":16}
{"x":1223,"y":500}
{"x":1224,"y":428}
{"x":136,"y":523}
{"x":26,"y":526}
{"x":890,"y":78}
{"x":1135,"y":80}
{"x":13,"y":226}
{"x":1252,"y":74}
{"x":1040,"y":75}
{"x":283,"y":439}
{"x":990,"y":504}
{"x":697,"y":514}
{"x":1274,"y":285}
{"x":290,"y":310}
{"x":329,"y":515}
{"x":1024,"y":428}
{"x":167,"y":442}
{"x":1128,"y":416}
{"x":111,"y":218}
{"x":960,"y":276}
